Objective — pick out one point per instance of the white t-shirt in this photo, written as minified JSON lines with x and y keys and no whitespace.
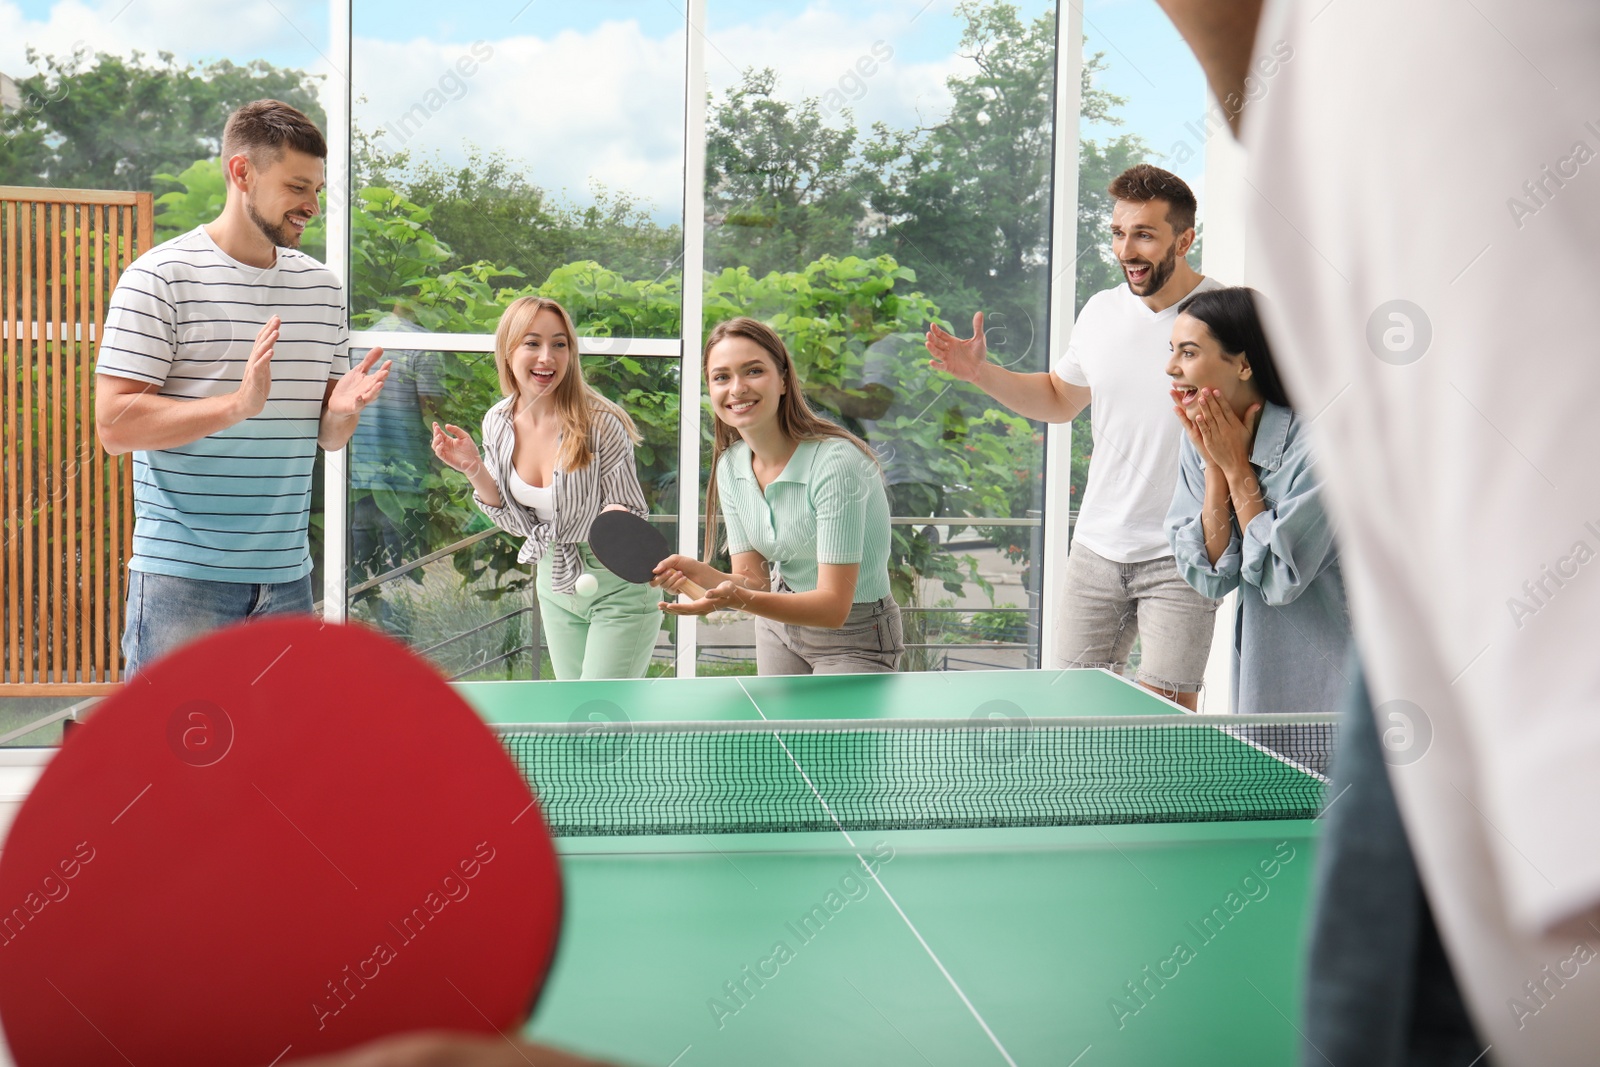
{"x":1120,"y":350}
{"x":1423,"y":220}
{"x":541,"y":498}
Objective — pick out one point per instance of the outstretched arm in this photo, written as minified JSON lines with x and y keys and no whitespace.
{"x":1038,"y":395}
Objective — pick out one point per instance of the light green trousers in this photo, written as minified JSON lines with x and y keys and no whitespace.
{"x":608,"y":635}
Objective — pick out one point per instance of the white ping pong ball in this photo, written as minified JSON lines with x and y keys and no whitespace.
{"x":587,"y":585}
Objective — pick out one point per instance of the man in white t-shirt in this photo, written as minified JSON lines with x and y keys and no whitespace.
{"x":1121,"y":579}
{"x":1425,"y":198}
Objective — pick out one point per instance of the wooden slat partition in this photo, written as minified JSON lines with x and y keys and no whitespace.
{"x":68,"y":506}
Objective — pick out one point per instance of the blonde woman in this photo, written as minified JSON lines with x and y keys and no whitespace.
{"x":555,"y":455}
{"x":807,"y":516}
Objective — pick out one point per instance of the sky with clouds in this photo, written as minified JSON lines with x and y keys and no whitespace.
{"x":593,"y":92}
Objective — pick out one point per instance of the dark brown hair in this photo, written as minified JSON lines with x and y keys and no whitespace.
{"x":795,"y":417}
{"x":263,"y":129}
{"x":1233,"y":315}
{"x":1142,"y":182}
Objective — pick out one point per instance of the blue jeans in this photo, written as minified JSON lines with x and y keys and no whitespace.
{"x":1379,"y":988}
{"x":165,"y":612}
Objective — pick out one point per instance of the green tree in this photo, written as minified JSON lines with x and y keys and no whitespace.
{"x":104,"y":122}
{"x":782,"y":186}
{"x":969,"y":204}
{"x":488,"y":211}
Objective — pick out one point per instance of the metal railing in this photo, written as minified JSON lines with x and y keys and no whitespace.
{"x":536,"y":647}
{"x":483,"y":535}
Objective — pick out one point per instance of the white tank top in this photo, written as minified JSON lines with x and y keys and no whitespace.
{"x":542,"y":499}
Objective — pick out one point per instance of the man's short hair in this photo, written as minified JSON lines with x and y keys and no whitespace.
{"x":263,"y":129}
{"x":1142,"y":182}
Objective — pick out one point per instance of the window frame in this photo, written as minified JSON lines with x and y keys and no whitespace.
{"x":686,"y":348}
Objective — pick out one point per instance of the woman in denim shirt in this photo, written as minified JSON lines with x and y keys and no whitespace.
{"x":1247,"y":513}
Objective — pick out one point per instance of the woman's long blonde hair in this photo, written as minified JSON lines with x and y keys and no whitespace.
{"x":795,"y":417}
{"x":576,"y":402}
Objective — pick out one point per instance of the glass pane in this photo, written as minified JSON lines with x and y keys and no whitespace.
{"x":472,"y":609}
{"x":1144,"y":101}
{"x":505,"y":147}
{"x":502,"y":150}
{"x":868,"y":172}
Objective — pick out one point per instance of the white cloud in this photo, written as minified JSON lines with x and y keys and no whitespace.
{"x":291,"y":31}
{"x":607,"y":104}
{"x":817,"y":50}
{"x":604,"y":104}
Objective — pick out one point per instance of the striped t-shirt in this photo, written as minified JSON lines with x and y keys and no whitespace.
{"x":827,"y":505}
{"x":232,"y":507}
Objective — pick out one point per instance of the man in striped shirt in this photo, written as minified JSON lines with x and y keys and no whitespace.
{"x":223,"y":364}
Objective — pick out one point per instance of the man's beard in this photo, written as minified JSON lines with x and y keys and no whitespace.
{"x":1160,"y":273}
{"x":284,"y":236}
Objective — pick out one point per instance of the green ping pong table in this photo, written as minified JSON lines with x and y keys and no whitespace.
{"x":741,"y":897}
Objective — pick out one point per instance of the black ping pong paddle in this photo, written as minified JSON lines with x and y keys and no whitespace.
{"x":630,"y":548}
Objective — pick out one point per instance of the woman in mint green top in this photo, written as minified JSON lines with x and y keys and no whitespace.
{"x":807,"y":517}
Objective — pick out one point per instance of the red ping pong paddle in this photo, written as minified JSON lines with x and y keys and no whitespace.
{"x":287,"y":838}
{"x":630,"y":548}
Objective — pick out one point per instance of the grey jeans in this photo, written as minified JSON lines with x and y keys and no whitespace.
{"x":1107,"y":604}
{"x":869,"y":642}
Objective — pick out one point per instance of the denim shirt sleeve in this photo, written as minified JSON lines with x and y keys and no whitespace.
{"x":1187,"y":535}
{"x":1290,"y":543}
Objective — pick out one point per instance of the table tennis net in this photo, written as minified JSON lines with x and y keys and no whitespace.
{"x":709,"y":778}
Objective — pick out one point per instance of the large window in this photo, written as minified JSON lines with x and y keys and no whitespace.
{"x":866,"y":170}
{"x":497,"y":153}
{"x":110,"y":123}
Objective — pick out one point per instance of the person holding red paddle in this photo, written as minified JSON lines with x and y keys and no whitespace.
{"x":556,"y":454}
{"x":807,"y":516}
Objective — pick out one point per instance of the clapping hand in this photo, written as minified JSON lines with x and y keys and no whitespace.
{"x":256,"y":385}
{"x":357,"y":388}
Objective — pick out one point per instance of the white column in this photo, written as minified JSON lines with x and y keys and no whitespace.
{"x":694,"y":245}
{"x":336,"y":467}
{"x":1063,"y":283}
{"x":1222,"y":256}
{"x":1225,"y":203}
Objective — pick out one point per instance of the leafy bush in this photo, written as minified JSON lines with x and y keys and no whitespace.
{"x":830,"y":313}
